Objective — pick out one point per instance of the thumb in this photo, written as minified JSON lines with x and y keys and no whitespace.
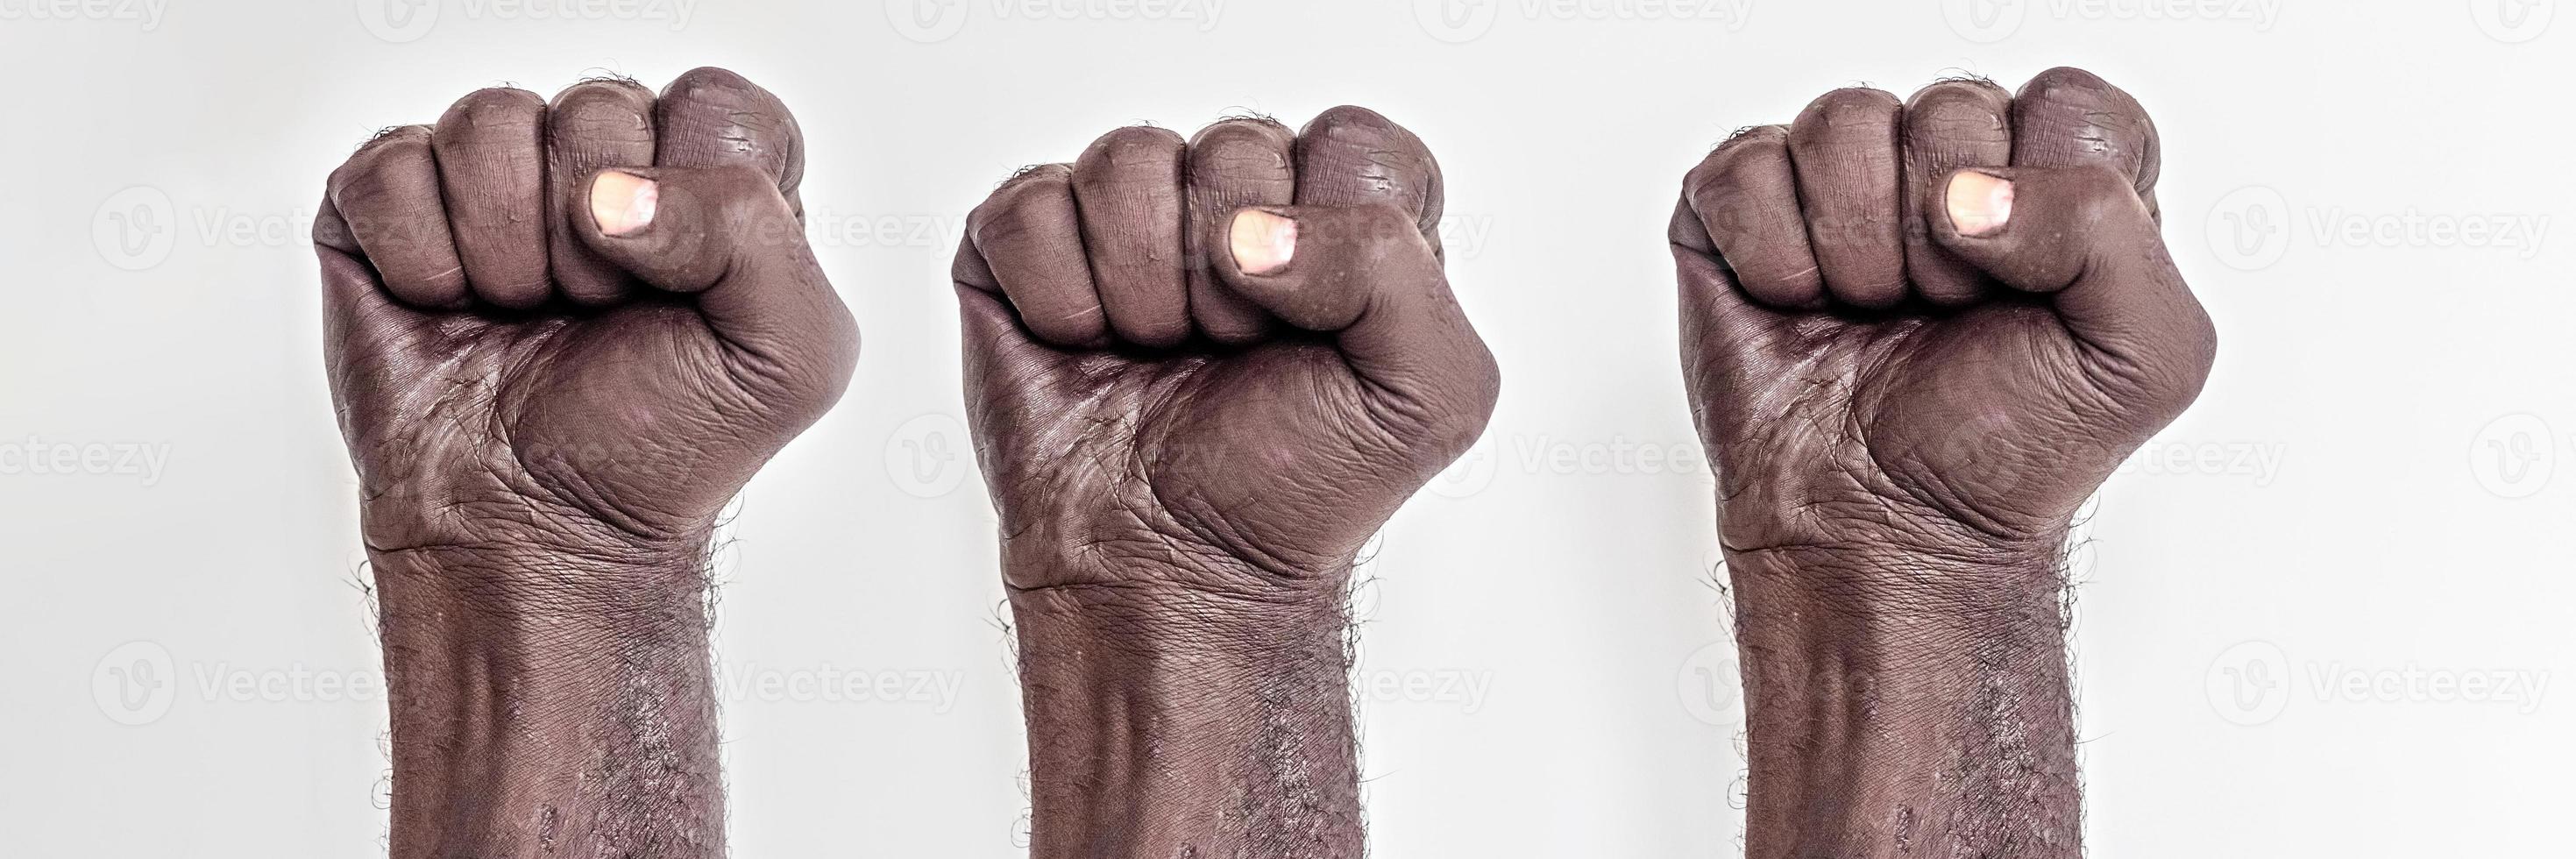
{"x":2082,"y":235}
{"x":725,"y":235}
{"x":1368,"y":276}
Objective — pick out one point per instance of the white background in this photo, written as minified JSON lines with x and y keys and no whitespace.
{"x":2363,"y":492}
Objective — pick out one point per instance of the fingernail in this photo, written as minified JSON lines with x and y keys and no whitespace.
{"x":1979,"y":203}
{"x":622,"y":202}
{"x":1263,"y":242}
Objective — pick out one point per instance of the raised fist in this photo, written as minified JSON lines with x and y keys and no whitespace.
{"x":1943,"y":320}
{"x":588,"y":320}
{"x":1218,"y":364}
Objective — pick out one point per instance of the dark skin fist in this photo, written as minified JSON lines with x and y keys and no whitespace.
{"x":587,"y":320}
{"x":1939,"y":323}
{"x":1167,"y":392}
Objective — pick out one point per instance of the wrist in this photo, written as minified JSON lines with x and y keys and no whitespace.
{"x":538,"y":694}
{"x":1170,"y":720}
{"x":1893,"y":686}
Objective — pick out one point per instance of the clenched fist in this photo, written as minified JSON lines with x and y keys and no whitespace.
{"x":1944,"y":320}
{"x":1201,"y":373}
{"x":595,"y":318}
{"x":1917,"y":336}
{"x":1215,"y":364}
{"x":560,"y":338}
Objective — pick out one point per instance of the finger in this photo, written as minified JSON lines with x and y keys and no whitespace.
{"x":710,"y":117}
{"x":2081,"y":235}
{"x":2067,"y":117}
{"x":594,"y":124}
{"x":366,"y":334}
{"x":388,"y":195}
{"x":725,"y":235}
{"x":1127,"y":190}
{"x":1029,"y":238}
{"x":1351,"y":156}
{"x":1367,"y":275}
{"x":492,"y":166}
{"x":1845,"y":151}
{"x":1745,"y":198}
{"x":1722,"y":326}
{"x":1948,"y":125}
{"x":1230,"y":165}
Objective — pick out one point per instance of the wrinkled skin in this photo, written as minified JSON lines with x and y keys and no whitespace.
{"x":505,"y":374}
{"x":1863,"y":374}
{"x":1147,"y":414}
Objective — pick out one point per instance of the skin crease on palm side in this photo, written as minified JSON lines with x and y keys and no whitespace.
{"x":1916,"y":337}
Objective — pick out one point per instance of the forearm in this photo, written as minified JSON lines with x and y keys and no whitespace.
{"x":1166,"y":722}
{"x":1903,"y":701}
{"x":549,"y":703}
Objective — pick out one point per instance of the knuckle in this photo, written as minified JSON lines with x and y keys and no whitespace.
{"x":2062,"y":81}
{"x":1959,"y":106}
{"x":1350,"y":117}
{"x":1011,"y":203}
{"x":1850,"y":105}
{"x":1241,"y":146}
{"x":704,"y":80}
{"x":1135,"y":144}
{"x":492,"y":106}
{"x":400,"y":142}
{"x":602,"y":108}
{"x":1240,"y":132}
{"x":1974,"y":89}
{"x":1735,"y":163}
